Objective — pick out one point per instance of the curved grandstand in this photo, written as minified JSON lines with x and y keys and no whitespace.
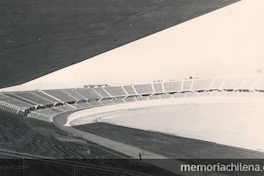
{"x":45,"y":104}
{"x":95,"y":122}
{"x":41,"y":106}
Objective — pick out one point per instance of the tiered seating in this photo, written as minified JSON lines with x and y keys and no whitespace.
{"x":17,"y":136}
{"x":18,"y":103}
{"x":240,"y":94}
{"x":232,"y":83}
{"x":44,"y":169}
{"x":165,"y":96}
{"x":8,"y":107}
{"x":217,"y":84}
{"x":47,"y":112}
{"x":119,"y":100}
{"x":56,"y":109}
{"x":202,"y":84}
{"x":115,"y":91}
{"x":221,"y":93}
{"x":101,"y":92}
{"x":249,"y":83}
{"x":20,"y":99}
{"x":42,"y":115}
{"x":187,"y":85}
{"x":158,"y":87}
{"x":172,"y":86}
{"x":88,"y":93}
{"x":73,"y":94}
{"x":60,"y":95}
{"x":214,"y":93}
{"x":129,"y":99}
{"x":258,"y":95}
{"x":15,"y":102}
{"x":237,"y":83}
{"x":179,"y":95}
{"x":261,"y":95}
{"x":141,"y":98}
{"x":95,"y":103}
{"x":191,"y":94}
{"x":129,"y":90}
{"x":260,"y":84}
{"x":66,"y":108}
{"x":231,"y":94}
{"x":154,"y":97}
{"x":4,"y":97}
{"x":45,"y":96}
{"x":77,"y":106}
{"x":84,"y":172}
{"x":203,"y":94}
{"x":144,"y":88}
{"x":85,"y":105}
{"x":248,"y":94}
{"x":33,"y":98}
{"x":106,"y":102}
{"x":39,"y":123}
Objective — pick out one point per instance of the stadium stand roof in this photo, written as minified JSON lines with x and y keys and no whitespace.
{"x":40,"y":37}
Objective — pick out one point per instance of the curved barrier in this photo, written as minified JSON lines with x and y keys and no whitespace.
{"x":45,"y":104}
{"x":94,"y":114}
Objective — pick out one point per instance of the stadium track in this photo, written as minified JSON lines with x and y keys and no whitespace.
{"x":61,"y":119}
{"x":103,"y":134}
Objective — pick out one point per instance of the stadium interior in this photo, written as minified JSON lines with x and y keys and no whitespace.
{"x":27,"y":121}
{"x":32,"y":123}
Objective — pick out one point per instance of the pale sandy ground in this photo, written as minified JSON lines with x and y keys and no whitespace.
{"x":224,"y":120}
{"x":238,"y":124}
{"x":234,"y":121}
{"x":230,"y":124}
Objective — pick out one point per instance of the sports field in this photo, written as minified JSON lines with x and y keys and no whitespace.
{"x":239,"y":125}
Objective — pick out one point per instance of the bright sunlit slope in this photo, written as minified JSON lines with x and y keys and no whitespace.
{"x":228,"y":41}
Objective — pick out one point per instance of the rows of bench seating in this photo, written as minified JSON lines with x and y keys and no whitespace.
{"x":34,"y":98}
{"x":43,"y":169}
{"x":18,"y":136}
{"x":74,"y":94}
{"x":59,"y":94}
{"x":6,"y":100}
{"x":46,"y":97}
{"x":88,"y":93}
{"x":144,"y":88}
{"x":47,"y":114}
{"x":115,"y":91}
{"x":8,"y":107}
{"x":44,"y":115}
{"x":53,"y":101}
{"x":157,"y":87}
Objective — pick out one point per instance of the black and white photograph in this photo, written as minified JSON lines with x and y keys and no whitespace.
{"x":132,"y":88}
